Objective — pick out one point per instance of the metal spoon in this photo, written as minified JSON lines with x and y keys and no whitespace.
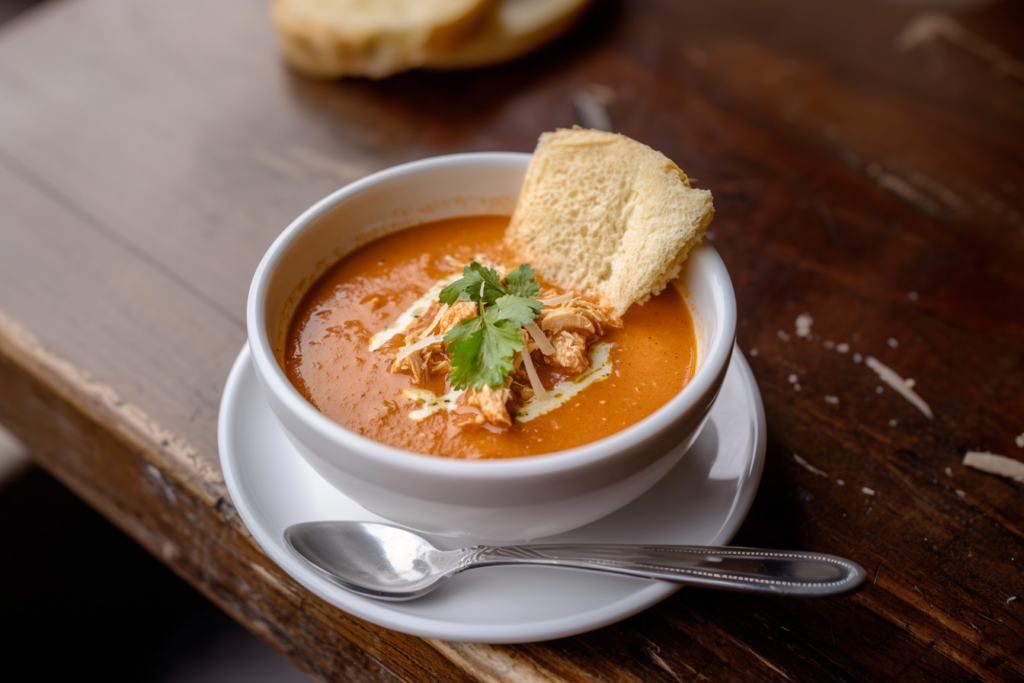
{"x":391,"y":563}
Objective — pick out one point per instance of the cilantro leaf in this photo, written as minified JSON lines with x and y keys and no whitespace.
{"x":522,"y":282}
{"x":501,"y":340}
{"x":477,"y":283}
{"x":516,"y":309}
{"x":481,"y":348}
{"x":459,"y":332}
{"x":492,"y":285}
{"x":465,"y":360}
{"x":470,"y":281}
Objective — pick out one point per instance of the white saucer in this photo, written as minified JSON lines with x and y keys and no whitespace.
{"x":702,"y":501}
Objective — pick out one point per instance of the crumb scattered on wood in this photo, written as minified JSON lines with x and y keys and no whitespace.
{"x":840,"y":482}
{"x":803,"y":324}
{"x":808,"y":466}
{"x":793,"y":379}
{"x":893,"y":343}
{"x":783,"y":336}
{"x":857,"y":358}
{"x":842,"y":348}
{"x":1010,"y":599}
{"x":753,"y":353}
{"x":867,"y":491}
{"x":999,"y":465}
{"x":829,"y":344}
{"x":833,"y":400}
{"x":1020,"y":441}
{"x":949,"y":471}
{"x":960,"y":493}
{"x":889,"y":376}
{"x":912,"y":296}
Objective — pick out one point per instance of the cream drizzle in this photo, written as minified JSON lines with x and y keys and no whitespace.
{"x":600,"y":369}
{"x":432,"y":403}
{"x":419,"y":307}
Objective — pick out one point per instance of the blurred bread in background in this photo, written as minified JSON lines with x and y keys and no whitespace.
{"x":513,"y":28}
{"x":373,"y":38}
{"x":377,"y":38}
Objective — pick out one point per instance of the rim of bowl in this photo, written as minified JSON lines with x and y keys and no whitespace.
{"x":719,"y":351}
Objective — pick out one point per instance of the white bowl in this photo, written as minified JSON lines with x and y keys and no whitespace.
{"x":512,"y":499}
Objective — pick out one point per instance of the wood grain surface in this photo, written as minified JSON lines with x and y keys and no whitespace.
{"x":867,"y":163}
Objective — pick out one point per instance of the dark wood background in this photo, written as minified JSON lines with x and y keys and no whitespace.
{"x":867,"y":163}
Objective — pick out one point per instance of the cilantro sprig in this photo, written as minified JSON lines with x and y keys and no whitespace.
{"x":482,"y":347}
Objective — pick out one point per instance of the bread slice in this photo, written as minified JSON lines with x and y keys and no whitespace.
{"x":373,"y":38}
{"x":606,"y":216}
{"x":513,"y":28}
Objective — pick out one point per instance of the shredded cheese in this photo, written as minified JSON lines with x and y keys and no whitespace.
{"x":889,"y":376}
{"x":555,"y":300}
{"x":436,"y":320}
{"x":543,"y":343}
{"x":539,"y":392}
{"x":995,"y":464}
{"x":426,"y":341}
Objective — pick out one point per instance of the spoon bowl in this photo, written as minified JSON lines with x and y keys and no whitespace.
{"x":391,"y":563}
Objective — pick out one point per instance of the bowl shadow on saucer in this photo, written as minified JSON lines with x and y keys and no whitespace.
{"x":680,"y":494}
{"x":781,"y":507}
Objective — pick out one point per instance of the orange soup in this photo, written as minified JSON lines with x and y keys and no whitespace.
{"x":328,"y":359}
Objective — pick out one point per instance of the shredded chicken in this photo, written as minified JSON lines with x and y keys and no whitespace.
{"x":491,"y":403}
{"x":455,"y":315}
{"x":463,"y":420}
{"x":521,"y":393}
{"x":562,"y":319}
{"x":570,"y":352}
{"x":579,"y":316}
{"x":421,"y":364}
{"x":431,"y":360}
{"x":571,"y":326}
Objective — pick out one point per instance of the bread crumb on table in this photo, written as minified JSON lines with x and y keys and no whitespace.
{"x":998,"y":465}
{"x":803,"y":324}
{"x":808,"y":466}
{"x":890,"y":377}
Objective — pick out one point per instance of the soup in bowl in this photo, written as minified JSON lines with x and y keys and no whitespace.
{"x":549,"y":472}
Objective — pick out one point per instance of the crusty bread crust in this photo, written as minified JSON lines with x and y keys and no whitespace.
{"x":373,"y":38}
{"x":606,"y":216}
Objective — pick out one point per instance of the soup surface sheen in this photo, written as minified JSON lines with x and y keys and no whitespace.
{"x":328,"y":361}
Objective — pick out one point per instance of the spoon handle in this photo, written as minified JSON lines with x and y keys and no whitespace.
{"x":749,"y":570}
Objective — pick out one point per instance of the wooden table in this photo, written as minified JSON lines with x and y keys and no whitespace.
{"x":867,"y":162}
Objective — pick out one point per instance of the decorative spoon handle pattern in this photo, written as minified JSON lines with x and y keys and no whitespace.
{"x":750,"y":570}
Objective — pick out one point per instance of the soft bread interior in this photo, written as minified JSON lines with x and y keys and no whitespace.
{"x":607,"y":216}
